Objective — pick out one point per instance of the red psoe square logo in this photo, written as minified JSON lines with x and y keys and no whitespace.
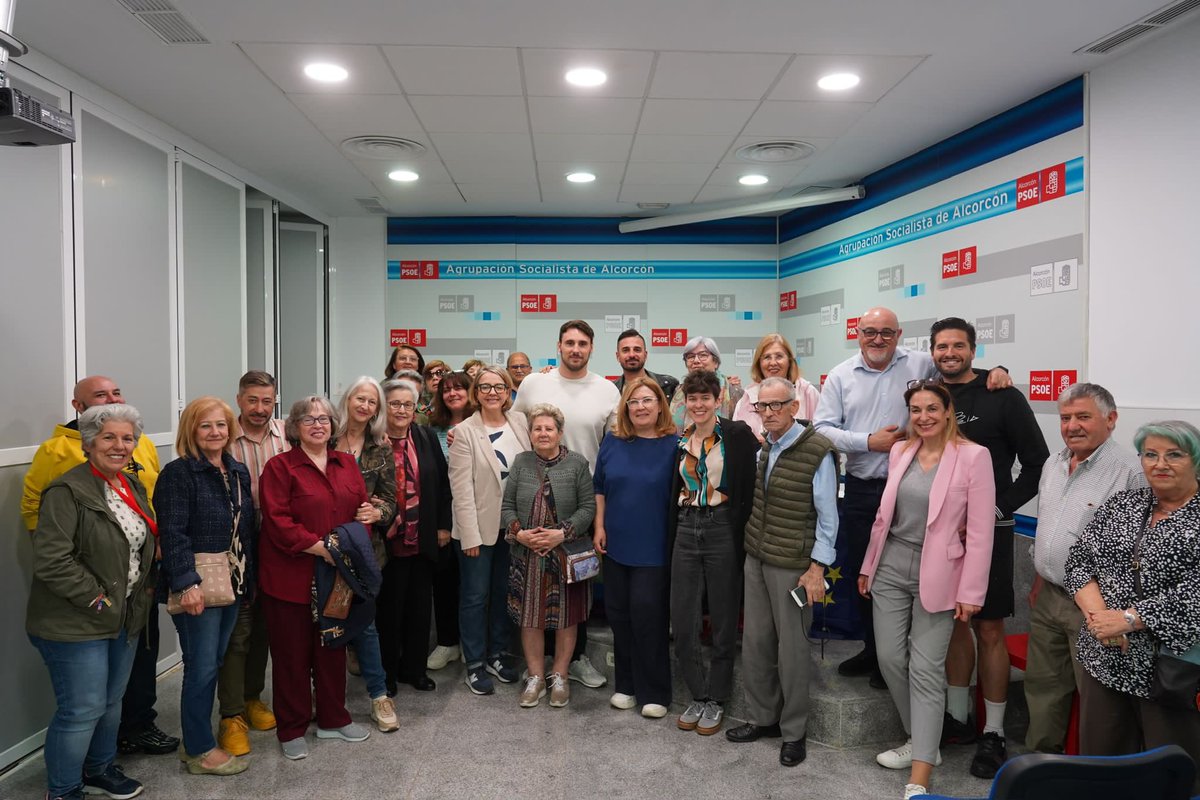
{"x":429,"y":270}
{"x":950,"y":264}
{"x":678,"y":337}
{"x":1054,"y":182}
{"x":851,"y":328}
{"x":966,"y":260}
{"x":783,"y":302}
{"x":529,"y":304}
{"x":1041,"y":385}
{"x":823,"y":377}
{"x":1062,"y":379}
{"x":416,"y":337}
{"x":398,"y":337}
{"x":548,"y":303}
{"x":410,"y":270}
{"x":660,"y":337}
{"x":1029,"y":190}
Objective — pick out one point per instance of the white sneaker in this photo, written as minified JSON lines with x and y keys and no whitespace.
{"x":912,"y":790}
{"x":442,"y":655}
{"x":654,"y":711}
{"x":581,"y":671}
{"x":622,"y":701}
{"x":901,"y":757}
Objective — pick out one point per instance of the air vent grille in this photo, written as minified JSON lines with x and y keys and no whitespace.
{"x":382,"y":148}
{"x":775,"y":152}
{"x":165,"y":20}
{"x":1151,"y":22}
{"x":371,"y":205}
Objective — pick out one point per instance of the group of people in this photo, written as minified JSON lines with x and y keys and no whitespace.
{"x":454,"y":499}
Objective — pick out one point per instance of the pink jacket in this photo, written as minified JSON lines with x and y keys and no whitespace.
{"x":963,"y":497}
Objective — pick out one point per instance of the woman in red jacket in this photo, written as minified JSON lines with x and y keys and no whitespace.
{"x":306,"y":493}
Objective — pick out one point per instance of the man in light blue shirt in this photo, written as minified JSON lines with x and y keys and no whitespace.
{"x":790,"y":539}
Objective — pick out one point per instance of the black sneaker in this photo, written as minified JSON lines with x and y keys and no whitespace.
{"x":112,"y":783}
{"x":955,"y":732}
{"x":990,"y":755}
{"x":150,"y":740}
{"x":862,"y":664}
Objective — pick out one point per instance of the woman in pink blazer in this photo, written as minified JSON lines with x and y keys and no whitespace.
{"x":926,"y":566}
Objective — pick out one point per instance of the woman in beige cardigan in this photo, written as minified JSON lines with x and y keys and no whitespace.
{"x":484,"y":447}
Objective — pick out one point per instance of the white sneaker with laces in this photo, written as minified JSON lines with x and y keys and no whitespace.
{"x":622,"y":701}
{"x":901,"y":757}
{"x":654,"y":711}
{"x":442,"y":656}
{"x":581,"y":671}
{"x":912,"y":790}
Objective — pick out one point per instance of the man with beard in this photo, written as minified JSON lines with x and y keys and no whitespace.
{"x":631,"y":355}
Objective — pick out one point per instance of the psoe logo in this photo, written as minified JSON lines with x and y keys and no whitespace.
{"x":660,"y":337}
{"x":851,"y":328}
{"x":950,"y":264}
{"x":1041,"y":385}
{"x":529,"y":304}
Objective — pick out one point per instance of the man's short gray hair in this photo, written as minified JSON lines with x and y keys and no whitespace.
{"x":784,"y":383}
{"x":92,"y":421}
{"x":1080,"y":391}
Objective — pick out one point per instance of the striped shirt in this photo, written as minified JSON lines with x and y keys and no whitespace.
{"x":702,"y":470}
{"x":255,"y":454}
{"x":1067,"y":501}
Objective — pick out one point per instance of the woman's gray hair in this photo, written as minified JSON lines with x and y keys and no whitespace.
{"x":781,"y":382}
{"x":698,"y":342}
{"x":410,"y":375}
{"x":545,"y":410}
{"x":1183,"y":435}
{"x":301,"y":408}
{"x":377,"y":427}
{"x":1098,"y":394}
{"x":92,"y":421}
{"x":392,"y":384}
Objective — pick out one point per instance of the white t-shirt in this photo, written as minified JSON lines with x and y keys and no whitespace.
{"x":588,"y":404}
{"x":506,"y":445}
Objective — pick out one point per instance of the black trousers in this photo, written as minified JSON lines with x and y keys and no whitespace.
{"x":445,"y":597}
{"x":402,"y":616}
{"x":638,"y":604}
{"x":859,"y":506}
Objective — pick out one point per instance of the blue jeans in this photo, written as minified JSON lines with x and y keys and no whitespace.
{"x":370,"y":661}
{"x":202,"y":640}
{"x":89,"y":681}
{"x":483,"y":625}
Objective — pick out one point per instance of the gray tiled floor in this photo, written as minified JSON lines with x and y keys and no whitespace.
{"x":452,"y":744}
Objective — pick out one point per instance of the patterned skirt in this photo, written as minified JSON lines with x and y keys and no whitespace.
{"x":539,"y":595}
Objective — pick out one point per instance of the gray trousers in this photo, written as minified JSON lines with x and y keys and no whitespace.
{"x":1050,"y":667}
{"x":704,"y":561}
{"x":775,"y":653}
{"x":911,"y":643}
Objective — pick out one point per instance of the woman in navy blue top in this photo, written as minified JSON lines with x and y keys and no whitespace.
{"x":633,"y":475}
{"x":204,"y":505}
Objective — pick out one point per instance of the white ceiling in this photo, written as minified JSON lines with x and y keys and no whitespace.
{"x":479,"y":83}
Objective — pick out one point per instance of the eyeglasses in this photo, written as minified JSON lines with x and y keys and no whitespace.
{"x":405,"y":405}
{"x":437,"y":373}
{"x":309,"y":421}
{"x":774,"y":405}
{"x":703,"y":355}
{"x":520,"y":368}
{"x":492,"y":388}
{"x":641,"y":402}
{"x":1172,"y":457}
{"x":887,"y":334}
{"x":924,"y":383}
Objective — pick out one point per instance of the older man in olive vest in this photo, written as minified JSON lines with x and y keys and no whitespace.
{"x":789,"y":541}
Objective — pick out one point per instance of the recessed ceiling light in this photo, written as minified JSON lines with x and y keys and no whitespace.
{"x":752,"y":180}
{"x":586,"y":76}
{"x":326,"y":73}
{"x":580,"y":177}
{"x":838,"y":81}
{"x":403,"y":175}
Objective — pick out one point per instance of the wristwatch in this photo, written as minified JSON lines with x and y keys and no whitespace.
{"x":1130,"y":619}
{"x":819,"y":563}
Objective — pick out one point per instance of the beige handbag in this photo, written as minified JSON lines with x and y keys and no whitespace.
{"x":216,"y":582}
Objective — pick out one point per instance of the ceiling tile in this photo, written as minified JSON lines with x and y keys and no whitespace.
{"x":716,"y":76}
{"x":415,"y":195}
{"x":696,"y":117}
{"x":694,"y":149}
{"x":471,"y":114}
{"x":657,"y":193}
{"x":486,"y":170}
{"x":628,"y":72}
{"x":553,"y":174}
{"x":592,"y":146}
{"x":583,"y":115}
{"x":778,"y":175}
{"x":799,"y":120}
{"x":469,"y":146}
{"x":524,"y":191}
{"x":652,"y":172}
{"x":284,"y":65}
{"x":429,"y":168}
{"x":373,"y":113}
{"x":456,"y":70}
{"x":878,"y":73}
{"x":568,"y":195}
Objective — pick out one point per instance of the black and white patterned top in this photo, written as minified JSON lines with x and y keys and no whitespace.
{"x":1170,"y":569}
{"x":134,"y":528}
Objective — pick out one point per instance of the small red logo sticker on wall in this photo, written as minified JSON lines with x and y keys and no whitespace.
{"x":851,"y":329}
{"x":1041,"y":385}
{"x":1062,"y":379}
{"x":823,"y":377}
{"x":529,"y":304}
{"x":410,"y":270}
{"x":399,"y":336}
{"x":950,"y":264}
{"x":429,"y":270}
{"x":548,"y":303}
{"x":1029,"y":190}
{"x":411,"y":336}
{"x":1054,"y":182}
{"x":660,"y":337}
{"x":678,"y":337}
{"x":787,"y":301}
{"x":416,"y":337}
{"x":966,"y":260}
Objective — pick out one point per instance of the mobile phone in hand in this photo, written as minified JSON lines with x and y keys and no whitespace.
{"x":800,"y":595}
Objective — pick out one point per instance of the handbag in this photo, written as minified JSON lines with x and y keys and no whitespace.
{"x":580,"y":561}
{"x":215,"y":569}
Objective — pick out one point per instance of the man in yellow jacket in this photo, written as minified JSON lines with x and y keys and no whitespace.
{"x":59,"y":453}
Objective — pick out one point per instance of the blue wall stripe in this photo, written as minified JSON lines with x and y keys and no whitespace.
{"x":572,"y":230}
{"x":1045,"y":116}
{"x":596,"y":270}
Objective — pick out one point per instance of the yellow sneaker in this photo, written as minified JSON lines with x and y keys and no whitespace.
{"x":231,"y":736}
{"x":259,"y":716}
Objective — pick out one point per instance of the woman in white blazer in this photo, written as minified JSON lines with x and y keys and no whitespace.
{"x":484,"y":446}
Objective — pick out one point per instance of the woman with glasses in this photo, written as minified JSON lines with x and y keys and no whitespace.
{"x":773,"y":358}
{"x":404,"y":357}
{"x":361,"y":433}
{"x":422,"y":522}
{"x":926,"y":566}
{"x":634,"y":471}
{"x":305,"y":493}
{"x":1135,"y":575}
{"x":432,"y":376}
{"x":700,"y":354}
{"x":485,"y":445}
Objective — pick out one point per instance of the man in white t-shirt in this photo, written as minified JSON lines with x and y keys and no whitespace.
{"x":589,"y":405}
